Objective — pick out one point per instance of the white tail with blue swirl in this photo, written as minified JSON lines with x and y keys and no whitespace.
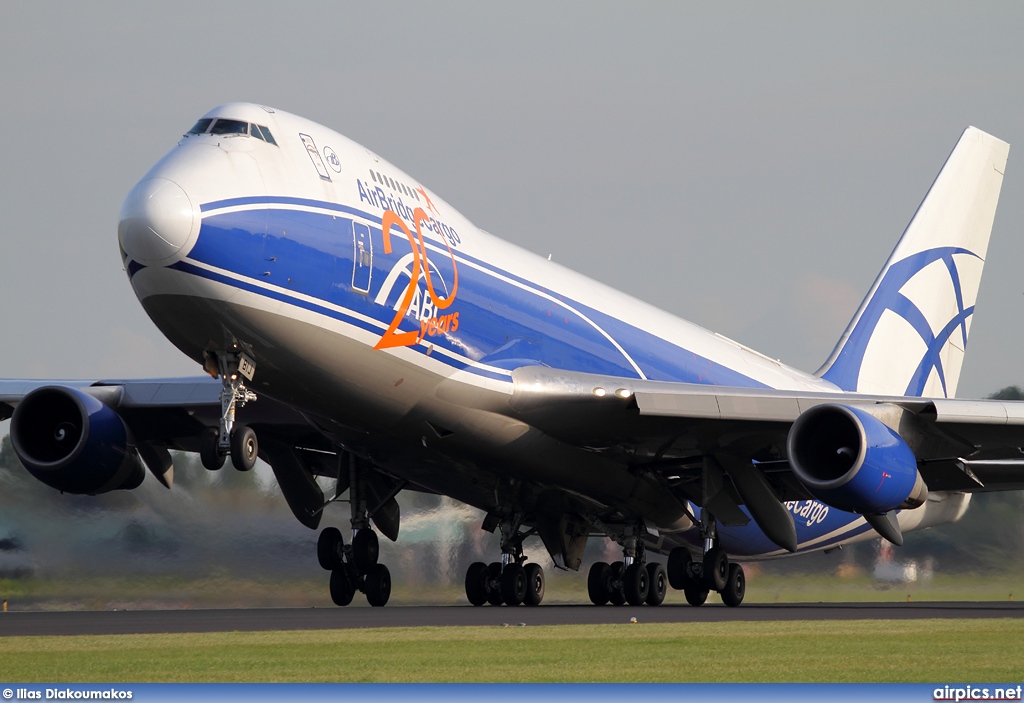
{"x":910,"y":334}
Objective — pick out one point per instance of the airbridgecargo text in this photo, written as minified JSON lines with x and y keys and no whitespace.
{"x":811,"y":511}
{"x":977,"y":693}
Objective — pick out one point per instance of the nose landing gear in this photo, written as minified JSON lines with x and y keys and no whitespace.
{"x":230,"y":438}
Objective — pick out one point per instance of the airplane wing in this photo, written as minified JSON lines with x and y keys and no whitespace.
{"x":668,"y":428}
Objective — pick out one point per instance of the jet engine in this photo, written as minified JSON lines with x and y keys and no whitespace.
{"x":71,"y":441}
{"x":850,"y":460}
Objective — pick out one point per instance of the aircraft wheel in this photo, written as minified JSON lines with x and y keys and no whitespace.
{"x":695,"y":595}
{"x":716,"y":569}
{"x":616,"y":596}
{"x":209,"y":452}
{"x":513,"y":584}
{"x":657,"y":581}
{"x":678,"y":559}
{"x":534,"y":584}
{"x":599,"y":583}
{"x":476,"y":583}
{"x":365,"y":550}
{"x":494,"y":583}
{"x":635,"y":584}
{"x":342,"y":589}
{"x":328,"y":548}
{"x":244,"y":448}
{"x":735,"y":586}
{"x":378,"y":586}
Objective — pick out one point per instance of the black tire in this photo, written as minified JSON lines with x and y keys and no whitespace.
{"x":599,"y":583}
{"x":244,"y":448}
{"x":735,"y":586}
{"x":635,"y":583}
{"x":716,"y":569}
{"x":209,"y":452}
{"x":695,"y":595}
{"x":494,"y":583}
{"x":378,"y":586}
{"x":365,"y":550}
{"x":328,"y":548}
{"x":513,"y":584}
{"x":678,"y":559}
{"x":657,"y":580}
{"x":476,"y":583}
{"x":616,"y":596}
{"x":534,"y":584}
{"x":342,"y":589}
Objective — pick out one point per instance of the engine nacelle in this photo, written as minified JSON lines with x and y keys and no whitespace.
{"x":850,"y":460}
{"x":72,"y":442}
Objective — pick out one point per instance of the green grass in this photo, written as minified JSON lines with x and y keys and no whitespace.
{"x":884,"y":651}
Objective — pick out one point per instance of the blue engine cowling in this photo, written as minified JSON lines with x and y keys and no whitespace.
{"x":850,"y":460}
{"x":71,"y":441}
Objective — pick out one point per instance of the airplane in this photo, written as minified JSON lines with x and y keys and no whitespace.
{"x":356,"y":327}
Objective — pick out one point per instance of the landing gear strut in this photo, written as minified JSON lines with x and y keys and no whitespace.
{"x":354,"y":567}
{"x":230,"y":438}
{"x":713,"y":572}
{"x":511,"y":581}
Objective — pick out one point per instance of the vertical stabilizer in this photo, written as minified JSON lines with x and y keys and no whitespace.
{"x":910,"y":333}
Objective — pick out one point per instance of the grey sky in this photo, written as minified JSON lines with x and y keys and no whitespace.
{"x":747,"y":167}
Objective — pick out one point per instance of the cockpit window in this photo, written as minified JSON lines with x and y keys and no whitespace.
{"x":201,"y":126}
{"x":223,"y":126}
{"x":267,"y":135}
{"x":254,"y":130}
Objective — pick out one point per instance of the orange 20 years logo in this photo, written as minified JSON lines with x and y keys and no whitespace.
{"x":392,"y":337}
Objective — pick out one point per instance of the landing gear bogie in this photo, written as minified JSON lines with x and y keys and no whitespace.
{"x":243,"y":448}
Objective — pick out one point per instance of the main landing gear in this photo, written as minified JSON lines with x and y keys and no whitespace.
{"x":229,"y":437}
{"x":714,"y":572}
{"x":510,"y":581}
{"x":628,"y":581}
{"x":354,"y":567}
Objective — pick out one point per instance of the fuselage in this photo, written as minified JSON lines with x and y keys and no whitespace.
{"x":377,"y":309}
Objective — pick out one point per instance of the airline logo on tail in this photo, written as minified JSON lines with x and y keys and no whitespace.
{"x":918,"y":305}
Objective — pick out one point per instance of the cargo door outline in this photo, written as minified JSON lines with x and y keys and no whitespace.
{"x":362,"y":258}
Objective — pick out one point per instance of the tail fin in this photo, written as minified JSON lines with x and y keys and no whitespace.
{"x":910,"y":333}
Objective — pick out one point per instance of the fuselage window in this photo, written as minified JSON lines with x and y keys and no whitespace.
{"x":230,"y":127}
{"x":201,"y":126}
{"x":373,"y":176}
{"x":267,"y":135}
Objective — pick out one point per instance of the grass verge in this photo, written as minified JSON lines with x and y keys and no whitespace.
{"x":807,"y":651}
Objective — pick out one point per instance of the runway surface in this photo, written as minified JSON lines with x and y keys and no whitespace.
{"x":120,"y":622}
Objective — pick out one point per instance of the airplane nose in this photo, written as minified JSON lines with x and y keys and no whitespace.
{"x":156,"y":220}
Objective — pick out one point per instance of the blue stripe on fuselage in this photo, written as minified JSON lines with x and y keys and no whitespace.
{"x":311,"y":253}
